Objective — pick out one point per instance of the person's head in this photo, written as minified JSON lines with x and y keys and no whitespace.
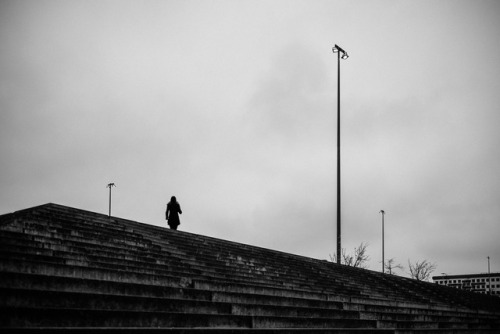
{"x":173,"y":199}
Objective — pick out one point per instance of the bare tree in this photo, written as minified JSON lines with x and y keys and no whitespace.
{"x":358,"y":260}
{"x":421,"y":271}
{"x":390,"y":266}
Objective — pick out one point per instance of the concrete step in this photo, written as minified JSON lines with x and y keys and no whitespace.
{"x":421,"y":317}
{"x":141,"y":240}
{"x":24,"y":298}
{"x":444,"y":331}
{"x":168,"y":294}
{"x":238,"y":288}
{"x":284,"y":291}
{"x":413,"y":310}
{"x":17,"y":281}
{"x":15,"y":245}
{"x":78,"y":300}
{"x":50,"y":282}
{"x":137,"y":330}
{"x":383,"y":312}
{"x":99,"y":257}
{"x":16,"y":241}
{"x":83,"y":261}
{"x":48,"y":317}
{"x":70,"y":269}
{"x":58,"y":317}
{"x":295,"y":271}
{"x":45,"y":240}
{"x":62,"y":270}
{"x":69,"y":215}
{"x":66,"y":267}
{"x":69,"y":284}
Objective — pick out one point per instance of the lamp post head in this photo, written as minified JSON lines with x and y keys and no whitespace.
{"x":337,"y":48}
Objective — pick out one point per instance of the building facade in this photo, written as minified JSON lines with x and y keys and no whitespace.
{"x":481,"y":283}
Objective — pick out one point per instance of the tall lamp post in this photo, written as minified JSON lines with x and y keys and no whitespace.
{"x":109,"y":186}
{"x":338,"y":50}
{"x":489,"y":276}
{"x":383,"y":246}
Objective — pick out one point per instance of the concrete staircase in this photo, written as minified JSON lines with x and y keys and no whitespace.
{"x":69,"y":270}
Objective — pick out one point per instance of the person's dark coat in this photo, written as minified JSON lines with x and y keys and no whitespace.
{"x":172,"y":214}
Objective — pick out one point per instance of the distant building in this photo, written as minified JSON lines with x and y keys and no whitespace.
{"x":481,"y":283}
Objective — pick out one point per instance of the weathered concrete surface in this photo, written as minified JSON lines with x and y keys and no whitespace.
{"x":72,"y":270}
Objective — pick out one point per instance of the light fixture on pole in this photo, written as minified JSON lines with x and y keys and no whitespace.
{"x":383,"y":246}
{"x":109,"y":186}
{"x":338,"y":50}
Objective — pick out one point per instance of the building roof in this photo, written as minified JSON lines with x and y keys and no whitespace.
{"x":466,"y":276}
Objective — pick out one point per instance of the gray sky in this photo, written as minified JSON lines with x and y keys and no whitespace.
{"x":231,"y":106}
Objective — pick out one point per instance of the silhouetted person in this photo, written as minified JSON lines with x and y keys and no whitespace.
{"x":172,"y":214}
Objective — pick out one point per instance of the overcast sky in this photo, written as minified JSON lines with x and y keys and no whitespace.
{"x":231,"y":106}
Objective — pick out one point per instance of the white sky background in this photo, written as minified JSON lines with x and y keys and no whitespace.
{"x":231,"y":106}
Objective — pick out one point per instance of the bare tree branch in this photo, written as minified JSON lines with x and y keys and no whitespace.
{"x":390,"y":266}
{"x":358,"y":260}
{"x":421,"y":271}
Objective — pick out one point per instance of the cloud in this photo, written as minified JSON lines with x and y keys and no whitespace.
{"x":232,"y":108}
{"x":290,"y":100}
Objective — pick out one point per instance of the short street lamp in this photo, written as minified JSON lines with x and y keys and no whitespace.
{"x":489,"y":276}
{"x":338,"y":50}
{"x":383,"y":246}
{"x":109,"y":186}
